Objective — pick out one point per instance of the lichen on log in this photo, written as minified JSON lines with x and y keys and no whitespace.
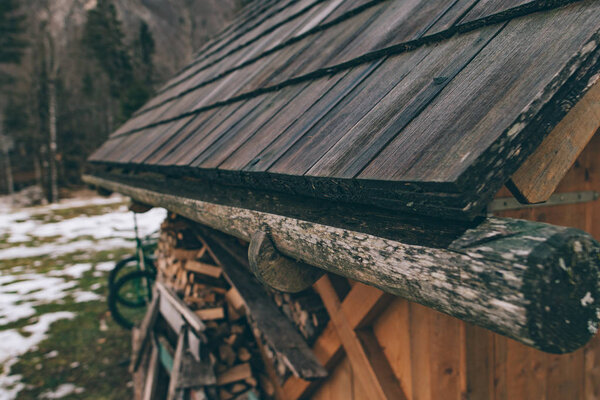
{"x":533,"y":282}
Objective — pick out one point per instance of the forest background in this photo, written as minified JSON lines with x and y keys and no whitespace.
{"x":72,"y":71}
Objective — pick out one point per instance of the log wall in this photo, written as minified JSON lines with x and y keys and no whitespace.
{"x":434,"y":356}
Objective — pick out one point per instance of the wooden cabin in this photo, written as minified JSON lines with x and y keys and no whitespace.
{"x":424,"y":173}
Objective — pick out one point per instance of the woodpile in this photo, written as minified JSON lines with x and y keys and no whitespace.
{"x":305,"y":309}
{"x":244,"y":363}
{"x":186,"y":265}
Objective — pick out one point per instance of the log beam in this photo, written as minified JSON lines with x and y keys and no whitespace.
{"x":533,"y":282}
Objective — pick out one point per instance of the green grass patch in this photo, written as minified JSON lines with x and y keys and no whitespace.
{"x":87,"y":357}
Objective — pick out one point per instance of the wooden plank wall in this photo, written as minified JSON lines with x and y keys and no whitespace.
{"x":434,"y":356}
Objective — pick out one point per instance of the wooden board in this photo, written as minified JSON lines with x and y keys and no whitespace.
{"x":541,"y":173}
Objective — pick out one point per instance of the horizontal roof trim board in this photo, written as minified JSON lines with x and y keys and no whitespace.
{"x":433,"y":125}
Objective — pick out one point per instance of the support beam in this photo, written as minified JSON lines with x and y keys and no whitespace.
{"x":375,"y":376}
{"x":533,"y":282}
{"x":361,"y":305}
{"x":540,"y":174}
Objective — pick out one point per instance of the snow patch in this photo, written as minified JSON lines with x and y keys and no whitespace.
{"x":62,"y":391}
{"x":13,"y":345}
{"x":81,"y":297}
{"x":587,"y":299}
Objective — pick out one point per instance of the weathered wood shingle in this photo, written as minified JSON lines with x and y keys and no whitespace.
{"x":424,"y":106}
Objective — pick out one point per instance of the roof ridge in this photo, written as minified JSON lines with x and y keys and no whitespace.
{"x":289,"y":42}
{"x":235,"y":24}
{"x":204,"y":57}
{"x":515,"y":12}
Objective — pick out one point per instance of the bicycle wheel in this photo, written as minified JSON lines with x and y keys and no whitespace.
{"x":124,"y":267}
{"x":129,"y":296}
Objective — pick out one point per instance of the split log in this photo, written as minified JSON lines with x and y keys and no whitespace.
{"x":202,"y":268}
{"x":533,"y":282}
{"x":234,"y":374}
{"x":208,"y":314}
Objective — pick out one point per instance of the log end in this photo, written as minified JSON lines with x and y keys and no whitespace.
{"x":562,"y":287}
{"x":275,"y":270}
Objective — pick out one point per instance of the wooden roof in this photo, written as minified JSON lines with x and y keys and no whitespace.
{"x":427,"y":106}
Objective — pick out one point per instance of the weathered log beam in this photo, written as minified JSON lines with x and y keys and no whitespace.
{"x":533,"y":282}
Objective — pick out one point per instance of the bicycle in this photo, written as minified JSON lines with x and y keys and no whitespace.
{"x":130,"y":282}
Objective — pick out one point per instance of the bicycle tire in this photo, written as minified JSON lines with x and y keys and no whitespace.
{"x":114,"y":298}
{"x":113,"y":276}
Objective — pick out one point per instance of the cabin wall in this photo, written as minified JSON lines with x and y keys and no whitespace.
{"x":434,"y":356}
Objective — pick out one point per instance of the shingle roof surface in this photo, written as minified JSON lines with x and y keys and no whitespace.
{"x":411,"y":104}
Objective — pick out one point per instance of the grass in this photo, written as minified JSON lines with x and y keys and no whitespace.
{"x":92,"y":352}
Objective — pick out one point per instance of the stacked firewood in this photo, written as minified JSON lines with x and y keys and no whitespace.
{"x":243,"y":358}
{"x":186,"y":264}
{"x":305,"y":309}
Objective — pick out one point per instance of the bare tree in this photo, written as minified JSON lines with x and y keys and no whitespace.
{"x":6,"y":144}
{"x":52,"y":32}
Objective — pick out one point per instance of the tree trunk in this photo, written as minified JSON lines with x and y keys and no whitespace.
{"x":38,"y":171}
{"x":52,"y":146}
{"x":9,"y":175}
{"x":10,"y":188}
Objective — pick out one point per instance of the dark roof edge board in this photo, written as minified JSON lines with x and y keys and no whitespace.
{"x":398,"y":48}
{"x":425,"y":198}
{"x":520,"y":140}
{"x":465,"y":198}
{"x":408,"y":228}
{"x":500,"y":286}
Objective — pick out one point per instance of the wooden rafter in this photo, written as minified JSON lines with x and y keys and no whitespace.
{"x":540,"y":174}
{"x":371,"y":368}
{"x":360,"y":306}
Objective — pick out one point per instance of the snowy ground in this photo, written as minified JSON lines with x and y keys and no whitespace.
{"x":56,"y":338}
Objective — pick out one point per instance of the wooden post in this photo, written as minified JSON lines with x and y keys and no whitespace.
{"x":151,"y":375}
{"x":533,"y":282}
{"x":538,"y":177}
